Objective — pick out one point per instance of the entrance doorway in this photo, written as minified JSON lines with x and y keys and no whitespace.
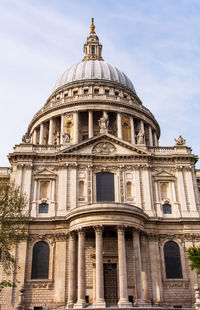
{"x":110,"y":283}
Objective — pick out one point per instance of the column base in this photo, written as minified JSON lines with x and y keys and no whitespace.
{"x":140,"y":303}
{"x":124,"y":303}
{"x":80,"y":304}
{"x":99,"y":304}
{"x":69,"y":305}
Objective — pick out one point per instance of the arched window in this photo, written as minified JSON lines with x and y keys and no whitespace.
{"x":81,"y":188}
{"x":129,"y":189}
{"x":105,"y":186}
{"x":172,"y":260}
{"x":40,"y":261}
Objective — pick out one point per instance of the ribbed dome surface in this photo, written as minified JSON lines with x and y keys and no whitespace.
{"x":93,"y":70}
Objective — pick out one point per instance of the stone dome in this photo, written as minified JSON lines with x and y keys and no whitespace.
{"x":93,"y":70}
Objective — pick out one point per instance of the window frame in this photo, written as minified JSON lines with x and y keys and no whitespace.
{"x":30,"y":260}
{"x":33,"y":272}
{"x":182,"y":257}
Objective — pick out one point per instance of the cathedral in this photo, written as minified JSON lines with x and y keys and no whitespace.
{"x":112,"y":212}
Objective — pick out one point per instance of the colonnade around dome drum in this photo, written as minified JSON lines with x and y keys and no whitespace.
{"x":78,"y":126}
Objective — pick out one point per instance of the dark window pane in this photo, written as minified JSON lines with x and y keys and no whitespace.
{"x":167,"y":208}
{"x":172,"y":260}
{"x":43,"y":208}
{"x":84,"y":137}
{"x":93,"y":49}
{"x":105,"y":186}
{"x":40,"y":262}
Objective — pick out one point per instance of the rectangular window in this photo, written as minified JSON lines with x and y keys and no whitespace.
{"x":167,"y":208}
{"x":43,"y":208}
{"x":93,"y":50}
{"x":105,"y":186}
{"x":84,"y":137}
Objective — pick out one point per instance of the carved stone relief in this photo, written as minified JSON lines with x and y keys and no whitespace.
{"x":103,"y":148}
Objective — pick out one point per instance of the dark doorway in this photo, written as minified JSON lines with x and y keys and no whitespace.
{"x":105,"y":186}
{"x":110,"y":284}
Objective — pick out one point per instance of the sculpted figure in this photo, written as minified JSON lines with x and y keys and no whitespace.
{"x":180,"y":141}
{"x":103,"y":123}
{"x":66,"y":136}
{"x":26,"y":138}
{"x":140,"y":137}
{"x":57,"y":136}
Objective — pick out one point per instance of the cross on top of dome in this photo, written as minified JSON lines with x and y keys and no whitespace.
{"x":92,"y":48}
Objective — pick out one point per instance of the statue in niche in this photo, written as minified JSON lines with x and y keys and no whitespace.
{"x":180,"y":141}
{"x":57,"y":138}
{"x":103,"y":123}
{"x":140,"y":137}
{"x":26,"y":138}
{"x":66,"y":136}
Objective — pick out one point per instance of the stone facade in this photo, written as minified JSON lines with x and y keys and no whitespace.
{"x":102,"y":252}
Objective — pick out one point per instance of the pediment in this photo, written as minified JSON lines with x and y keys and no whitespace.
{"x":164,"y":175}
{"x":103,"y":145}
{"x":45,"y":172}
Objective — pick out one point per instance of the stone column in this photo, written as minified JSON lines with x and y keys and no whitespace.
{"x":71,"y":270}
{"x":155,"y":139}
{"x":34,"y":136}
{"x":50,"y":140}
{"x":99,"y":302}
{"x":150,"y":136}
{"x":123,"y":293}
{"x":144,"y":262}
{"x":75,"y":127}
{"x":142,"y":126}
{"x":119,"y":126}
{"x":81,"y":270}
{"x":41,"y":140}
{"x":90,"y":124}
{"x":132,"y":130}
{"x":155,"y":264}
{"x":138,"y":268}
{"x":62,"y":129}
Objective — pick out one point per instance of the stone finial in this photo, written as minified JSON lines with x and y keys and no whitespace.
{"x":180,"y":141}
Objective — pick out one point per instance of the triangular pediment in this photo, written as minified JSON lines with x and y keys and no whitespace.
{"x":45,"y":172}
{"x":103,"y":145}
{"x":164,"y":175}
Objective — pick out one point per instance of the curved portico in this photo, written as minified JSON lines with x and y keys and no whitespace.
{"x":103,"y":260}
{"x":121,"y":223}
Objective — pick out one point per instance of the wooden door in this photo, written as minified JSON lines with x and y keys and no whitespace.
{"x":110,"y":284}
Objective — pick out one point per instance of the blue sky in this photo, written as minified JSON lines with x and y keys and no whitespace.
{"x":155,"y":42}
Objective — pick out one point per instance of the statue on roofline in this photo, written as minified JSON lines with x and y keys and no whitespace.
{"x":180,"y":141}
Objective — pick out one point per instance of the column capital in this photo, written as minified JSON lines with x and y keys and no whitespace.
{"x":72,"y":235}
{"x":121,"y":229}
{"x":81,"y":231}
{"x":136,"y":232}
{"x":98,"y":228}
